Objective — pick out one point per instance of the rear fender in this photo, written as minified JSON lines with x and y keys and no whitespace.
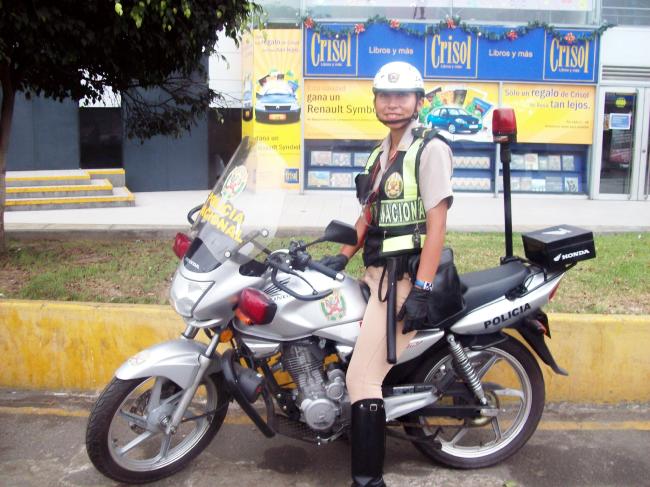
{"x":176,"y":360}
{"x":533,"y":330}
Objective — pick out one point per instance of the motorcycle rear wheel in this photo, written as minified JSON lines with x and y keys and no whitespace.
{"x":125,"y":436}
{"x":512,"y":382}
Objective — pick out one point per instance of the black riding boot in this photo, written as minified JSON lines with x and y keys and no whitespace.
{"x":368,"y":443}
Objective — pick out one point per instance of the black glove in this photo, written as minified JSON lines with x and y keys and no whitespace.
{"x":335,"y":262}
{"x":415,"y":309}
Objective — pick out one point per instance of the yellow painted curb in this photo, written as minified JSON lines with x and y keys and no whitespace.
{"x":70,"y":200}
{"x":59,"y":345}
{"x":78,"y":187}
{"x":47,"y":178}
{"x":106,"y":171}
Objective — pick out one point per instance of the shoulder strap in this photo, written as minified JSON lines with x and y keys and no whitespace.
{"x":373,"y":158}
{"x":426,"y":134}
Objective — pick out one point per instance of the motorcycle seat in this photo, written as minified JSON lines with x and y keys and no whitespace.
{"x":490,"y":284}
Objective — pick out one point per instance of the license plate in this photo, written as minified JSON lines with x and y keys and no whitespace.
{"x":473,"y":126}
{"x":277,"y":116}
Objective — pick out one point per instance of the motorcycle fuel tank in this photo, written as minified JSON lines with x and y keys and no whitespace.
{"x":297,"y":318}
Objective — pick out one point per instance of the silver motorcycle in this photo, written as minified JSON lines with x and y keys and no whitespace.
{"x":281,"y":330}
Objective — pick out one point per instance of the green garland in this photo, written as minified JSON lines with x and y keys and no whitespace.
{"x":456,"y":23}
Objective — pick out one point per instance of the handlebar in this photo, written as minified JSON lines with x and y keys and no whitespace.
{"x":300,"y":260}
{"x":323,"y":269}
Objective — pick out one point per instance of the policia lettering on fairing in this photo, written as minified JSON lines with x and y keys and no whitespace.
{"x":405,"y":192}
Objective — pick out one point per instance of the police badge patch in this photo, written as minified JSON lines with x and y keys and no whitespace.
{"x":394,"y":185}
{"x":333,"y":306}
{"x":235,"y":183}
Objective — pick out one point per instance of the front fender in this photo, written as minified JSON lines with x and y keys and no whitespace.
{"x":177,"y":360}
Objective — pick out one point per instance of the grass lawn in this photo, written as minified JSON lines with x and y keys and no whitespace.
{"x":139,"y":271}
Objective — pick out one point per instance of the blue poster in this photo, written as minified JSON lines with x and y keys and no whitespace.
{"x":575,"y":61}
{"x":451,"y":53}
{"x":380,"y":44}
{"x":512,"y":60}
{"x":330,"y":55}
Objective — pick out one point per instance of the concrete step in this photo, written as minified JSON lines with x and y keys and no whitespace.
{"x":97,"y":187}
{"x":121,"y":197}
{"x":18,"y":179}
{"x":117,"y":177}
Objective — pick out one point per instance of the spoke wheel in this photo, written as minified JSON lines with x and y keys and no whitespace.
{"x":514,"y":388}
{"x":126,"y":437}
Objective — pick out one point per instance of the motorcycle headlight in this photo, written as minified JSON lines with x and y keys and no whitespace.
{"x":185,"y":293}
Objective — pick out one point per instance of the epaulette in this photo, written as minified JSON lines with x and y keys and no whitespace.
{"x":427,"y":134}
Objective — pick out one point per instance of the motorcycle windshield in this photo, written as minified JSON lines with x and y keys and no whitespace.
{"x":242,"y":212}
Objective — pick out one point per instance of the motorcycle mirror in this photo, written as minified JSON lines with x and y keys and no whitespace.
{"x":340,"y":232}
{"x":504,"y":125}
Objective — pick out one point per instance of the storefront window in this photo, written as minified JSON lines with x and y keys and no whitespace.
{"x":555,"y":11}
{"x":626,"y":12}
{"x":281,"y":11}
{"x":618,"y":143}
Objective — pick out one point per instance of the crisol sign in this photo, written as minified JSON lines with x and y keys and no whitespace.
{"x":327,"y":55}
{"x":451,"y":54}
{"x":575,"y":61}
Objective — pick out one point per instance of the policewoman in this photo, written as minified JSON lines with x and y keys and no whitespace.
{"x":405,"y":192}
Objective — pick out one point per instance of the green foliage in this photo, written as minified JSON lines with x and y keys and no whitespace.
{"x":151,"y":51}
{"x":137,"y":271}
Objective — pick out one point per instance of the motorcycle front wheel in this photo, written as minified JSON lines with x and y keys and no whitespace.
{"x":514,"y":387}
{"x":125,"y":437}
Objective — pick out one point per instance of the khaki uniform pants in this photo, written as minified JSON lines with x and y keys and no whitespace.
{"x":368,"y":366}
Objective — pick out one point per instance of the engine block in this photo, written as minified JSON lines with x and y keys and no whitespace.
{"x":318,"y":395}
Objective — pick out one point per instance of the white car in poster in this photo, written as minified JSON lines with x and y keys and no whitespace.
{"x":277,"y":103}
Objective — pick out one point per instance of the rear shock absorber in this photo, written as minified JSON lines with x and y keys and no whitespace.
{"x":465,"y":369}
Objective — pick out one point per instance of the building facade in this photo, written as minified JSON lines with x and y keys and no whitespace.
{"x":302,"y":86}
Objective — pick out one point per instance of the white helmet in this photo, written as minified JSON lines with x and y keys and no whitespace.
{"x":398,"y":76}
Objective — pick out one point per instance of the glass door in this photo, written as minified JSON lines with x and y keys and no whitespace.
{"x":621,"y":153}
{"x":644,"y":167}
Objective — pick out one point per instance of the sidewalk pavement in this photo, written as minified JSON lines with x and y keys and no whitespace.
{"x":164,"y":213}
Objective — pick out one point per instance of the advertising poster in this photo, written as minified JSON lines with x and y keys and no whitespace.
{"x":461,"y":111}
{"x":336,"y":110}
{"x":452,"y":54}
{"x":340,"y":110}
{"x":552,"y":114}
{"x":276,"y":88}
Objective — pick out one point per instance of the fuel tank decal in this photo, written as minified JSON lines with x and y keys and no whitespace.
{"x":275,"y":293}
{"x":333,"y":306}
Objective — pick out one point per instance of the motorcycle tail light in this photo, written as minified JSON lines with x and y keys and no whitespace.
{"x":256,"y":306}
{"x":181,"y":244}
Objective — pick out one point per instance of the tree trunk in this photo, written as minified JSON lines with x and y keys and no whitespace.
{"x":6,"y":114}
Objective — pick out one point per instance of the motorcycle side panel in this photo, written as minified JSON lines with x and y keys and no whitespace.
{"x":177,"y":360}
{"x":504,"y":312}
